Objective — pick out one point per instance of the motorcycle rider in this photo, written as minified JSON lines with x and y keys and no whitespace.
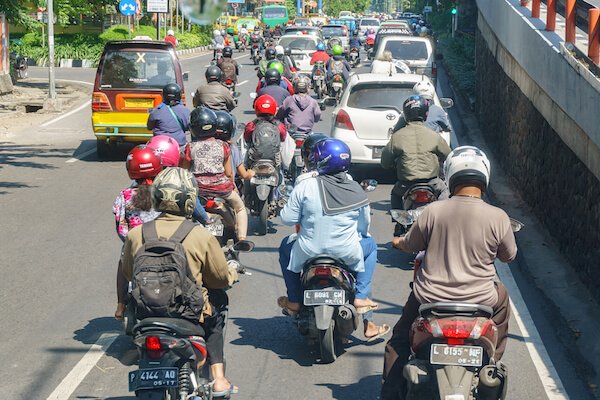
{"x":287,"y":66}
{"x":174,"y":196}
{"x":289,"y":60}
{"x":320,"y":54}
{"x":334,"y":216}
{"x":265,"y":108}
{"x":354,"y":43}
{"x":267,"y":34}
{"x":337,"y":64}
{"x":437,"y":118}
{"x":214,"y":95}
{"x":225,"y":129}
{"x":284,"y":83}
{"x":263,"y":65}
{"x":278,"y":31}
{"x":416,"y":152}
{"x":218,"y":42}
{"x":243,"y":34}
{"x":170,"y":118}
{"x":300,"y":109}
{"x":462,"y":237}
{"x":256,"y":38}
{"x":229,"y":67}
{"x":273,"y":88}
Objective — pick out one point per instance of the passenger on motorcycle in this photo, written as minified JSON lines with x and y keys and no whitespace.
{"x":285,"y":82}
{"x":265,"y":108}
{"x":337,"y":64}
{"x":174,"y":196}
{"x":288,"y":60}
{"x":263,"y":65}
{"x":437,"y":119}
{"x":225,"y":130}
{"x":278,"y":31}
{"x":273,"y":88}
{"x":218,"y":42}
{"x":334,"y":216}
{"x":416,"y":152}
{"x":320,"y":54}
{"x":354,"y":43}
{"x":287,"y":67}
{"x":214,"y":95}
{"x":383,"y":64}
{"x":210,"y":165}
{"x":300,"y":109}
{"x":170,"y":118}
{"x":228,"y":66}
{"x":461,"y":236}
{"x":267,"y":34}
{"x":243,"y":34}
{"x":256,"y":38}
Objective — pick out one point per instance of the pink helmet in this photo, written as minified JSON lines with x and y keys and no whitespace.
{"x":166,"y":148}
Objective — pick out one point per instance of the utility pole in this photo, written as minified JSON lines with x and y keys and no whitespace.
{"x":51,"y":83}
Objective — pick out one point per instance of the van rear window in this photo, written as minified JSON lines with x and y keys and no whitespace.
{"x":407,"y":50}
{"x":132,"y":69}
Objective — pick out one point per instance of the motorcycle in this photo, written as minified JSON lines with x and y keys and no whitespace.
{"x":297,"y":164}
{"x":337,"y":87}
{"x":369,"y":45}
{"x":354,"y":57}
{"x":416,"y":198}
{"x":242,"y":40}
{"x":230,"y":85}
{"x":263,"y":199}
{"x":222,"y":225}
{"x":255,"y":53}
{"x":19,"y":64}
{"x":328,"y":317}
{"x":318,"y":79}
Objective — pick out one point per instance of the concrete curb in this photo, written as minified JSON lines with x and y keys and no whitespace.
{"x":192,"y":50}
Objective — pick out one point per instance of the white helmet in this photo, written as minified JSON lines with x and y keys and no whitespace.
{"x":467,"y":165}
{"x":279,"y":50}
{"x":217,"y":32}
{"x":424,"y":89}
{"x":170,"y":32}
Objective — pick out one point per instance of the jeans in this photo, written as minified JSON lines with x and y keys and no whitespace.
{"x":363,"y":279}
{"x":199,"y":213}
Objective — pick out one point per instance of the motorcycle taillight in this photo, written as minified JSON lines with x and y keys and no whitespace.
{"x":421,"y":196}
{"x":318,"y":72}
{"x":323,"y":271}
{"x":299,"y":142}
{"x":337,"y":78}
{"x":460,"y":328}
{"x":153,"y":343}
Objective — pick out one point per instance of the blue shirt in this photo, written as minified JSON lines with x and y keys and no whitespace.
{"x":162,"y":122}
{"x":236,"y":158}
{"x":334,"y":235}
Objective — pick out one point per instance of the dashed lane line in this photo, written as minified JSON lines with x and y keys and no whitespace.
{"x":80,"y":156}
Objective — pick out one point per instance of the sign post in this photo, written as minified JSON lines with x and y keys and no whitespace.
{"x":51,"y":82}
{"x":128,"y":8}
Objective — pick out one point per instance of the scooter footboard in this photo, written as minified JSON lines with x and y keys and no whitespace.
{"x":454,"y":381}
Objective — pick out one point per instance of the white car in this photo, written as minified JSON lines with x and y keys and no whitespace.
{"x":416,"y":52}
{"x":302,"y":46}
{"x":370,"y":106}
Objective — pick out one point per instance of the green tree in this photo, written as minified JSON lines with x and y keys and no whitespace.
{"x":19,"y":12}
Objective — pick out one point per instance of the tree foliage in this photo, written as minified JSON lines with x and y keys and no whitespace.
{"x":19,"y":12}
{"x":333,"y":7}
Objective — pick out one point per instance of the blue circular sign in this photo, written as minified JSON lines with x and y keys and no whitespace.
{"x":127,"y":7}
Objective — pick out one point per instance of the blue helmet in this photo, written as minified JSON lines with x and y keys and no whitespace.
{"x":331,"y":156}
{"x":320,"y":46}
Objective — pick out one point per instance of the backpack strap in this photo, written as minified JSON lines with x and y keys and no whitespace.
{"x":181,"y":233}
{"x":149,"y":232}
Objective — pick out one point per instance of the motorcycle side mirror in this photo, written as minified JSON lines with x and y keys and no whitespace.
{"x":186,"y":76}
{"x":446,"y":102}
{"x":322,"y":106}
{"x":244,"y":246}
{"x":240,"y":127}
{"x":516,"y":225}
{"x":253,"y":95}
{"x":369,"y":185}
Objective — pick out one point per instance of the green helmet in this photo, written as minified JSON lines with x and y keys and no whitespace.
{"x":276,"y":65}
{"x":230,"y":31}
{"x":337,"y":50}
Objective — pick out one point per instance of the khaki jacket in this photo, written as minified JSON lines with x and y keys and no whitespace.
{"x":206,"y":260}
{"x":416,"y":152}
{"x":214,"y":96}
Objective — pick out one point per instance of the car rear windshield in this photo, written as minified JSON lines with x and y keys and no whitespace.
{"x":407,"y":49}
{"x":330,"y":31}
{"x":136,"y":69}
{"x":369,"y":22}
{"x":298,"y":43}
{"x":379,"y":95}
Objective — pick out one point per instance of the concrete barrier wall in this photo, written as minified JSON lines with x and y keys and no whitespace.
{"x":567,"y":97}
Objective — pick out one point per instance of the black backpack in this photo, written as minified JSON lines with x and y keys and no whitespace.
{"x":162,"y":285}
{"x":266,"y":140}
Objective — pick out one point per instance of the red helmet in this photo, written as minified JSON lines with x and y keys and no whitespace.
{"x":265,"y":104}
{"x":143,"y":163}
{"x":166,"y":148}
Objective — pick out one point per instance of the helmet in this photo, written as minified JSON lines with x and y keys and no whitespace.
{"x":272,"y":77}
{"x":277,"y":66}
{"x":415,"y":108}
{"x":230,"y":31}
{"x":330,"y":156}
{"x":170,"y":32}
{"x":213,"y":73}
{"x":337,"y":50}
{"x":301,"y":85}
{"x":278,"y":26}
{"x":270,"y":53}
{"x":174,"y":191}
{"x":217,"y":32}
{"x":279,"y":50}
{"x":171,"y":94}
{"x":320,"y":46}
{"x":256,"y":28}
{"x":307,"y":147}
{"x":227,"y":52}
{"x":203,"y":123}
{"x":166,"y":148}
{"x":287,"y":51}
{"x":424,"y":89}
{"x":142,"y":163}
{"x":244,"y":26}
{"x":225,"y":127}
{"x":467,"y":165}
{"x":265,"y":104}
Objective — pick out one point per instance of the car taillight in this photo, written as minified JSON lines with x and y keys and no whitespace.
{"x":153,"y":343}
{"x":322,"y":271}
{"x":342,"y":120}
{"x":100,"y":102}
{"x":421,"y":196}
{"x":299,"y":142}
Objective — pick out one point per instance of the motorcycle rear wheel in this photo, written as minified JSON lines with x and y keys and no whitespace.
{"x":327,"y":344}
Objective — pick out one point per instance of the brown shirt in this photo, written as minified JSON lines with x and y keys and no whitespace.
{"x":463,"y":236}
{"x":205,"y":257}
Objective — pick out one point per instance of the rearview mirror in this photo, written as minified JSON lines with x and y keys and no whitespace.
{"x":446,"y":102}
{"x":253,"y":95}
{"x":369,"y":185}
{"x":186,"y":76}
{"x":516,"y":225}
{"x":244,"y":246}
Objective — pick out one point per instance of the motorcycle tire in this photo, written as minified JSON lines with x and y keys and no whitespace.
{"x":263,"y":217}
{"x":327,"y":344}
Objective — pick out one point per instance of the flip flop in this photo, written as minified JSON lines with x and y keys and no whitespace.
{"x":366,"y":309}
{"x":225,"y":394}
{"x":381,"y":331}
{"x":283,"y":303}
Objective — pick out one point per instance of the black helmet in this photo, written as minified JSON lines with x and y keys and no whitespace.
{"x":213,"y":73}
{"x":171,"y":94}
{"x":415,"y":108}
{"x":227,"y":52}
{"x":270,"y":53}
{"x":287,"y":51}
{"x":225,"y":127}
{"x":244,"y":26}
{"x":308,"y":145}
{"x":301,"y":85}
{"x":203,"y":123}
{"x":272,"y":77}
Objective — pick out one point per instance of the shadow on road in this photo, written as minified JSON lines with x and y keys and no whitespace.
{"x":391,"y":258}
{"x":30,"y":156}
{"x":367,"y":388}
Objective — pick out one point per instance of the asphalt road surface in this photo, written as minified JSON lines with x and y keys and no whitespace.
{"x":59,"y":256}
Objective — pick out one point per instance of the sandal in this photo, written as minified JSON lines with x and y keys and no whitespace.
{"x":382,"y":330}
{"x":283,"y":302}
{"x":226,"y":394}
{"x":366,"y":309}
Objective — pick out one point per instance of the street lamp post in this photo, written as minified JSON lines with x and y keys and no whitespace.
{"x":51,"y":83}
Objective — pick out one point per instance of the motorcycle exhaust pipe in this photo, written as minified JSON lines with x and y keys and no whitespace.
{"x":491,"y":382}
{"x":347,"y":319}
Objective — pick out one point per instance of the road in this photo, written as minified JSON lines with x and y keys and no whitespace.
{"x":58,"y":291}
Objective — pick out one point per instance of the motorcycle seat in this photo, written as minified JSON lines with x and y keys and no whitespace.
{"x":180,"y":327}
{"x":324,"y":260}
{"x":462,"y":309}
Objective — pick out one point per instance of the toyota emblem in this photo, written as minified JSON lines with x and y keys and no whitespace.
{"x":390,"y":117}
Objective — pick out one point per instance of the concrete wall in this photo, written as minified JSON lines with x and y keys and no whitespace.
{"x":551,"y":154}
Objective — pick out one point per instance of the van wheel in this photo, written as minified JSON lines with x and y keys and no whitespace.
{"x":103,"y":149}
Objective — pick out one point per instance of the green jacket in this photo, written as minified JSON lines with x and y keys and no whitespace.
{"x":416,"y":152}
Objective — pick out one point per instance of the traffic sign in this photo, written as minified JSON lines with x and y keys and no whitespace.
{"x":157,"y":6}
{"x":127,"y":7}
{"x":234,"y":5}
{"x":427,"y":9}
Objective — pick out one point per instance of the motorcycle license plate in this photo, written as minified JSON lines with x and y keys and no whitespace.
{"x":215,"y":229}
{"x":377,"y":151}
{"x":299,"y":161}
{"x":465,"y":356}
{"x":337,"y":85}
{"x":154,"y":378}
{"x":353,"y":54}
{"x":324,"y":297}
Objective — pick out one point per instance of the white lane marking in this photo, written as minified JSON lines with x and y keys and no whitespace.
{"x":81,"y":107}
{"x":68,"y":385}
{"x":537,"y":351}
{"x":81,"y":156}
{"x":242,"y":83}
{"x":242,"y":56}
